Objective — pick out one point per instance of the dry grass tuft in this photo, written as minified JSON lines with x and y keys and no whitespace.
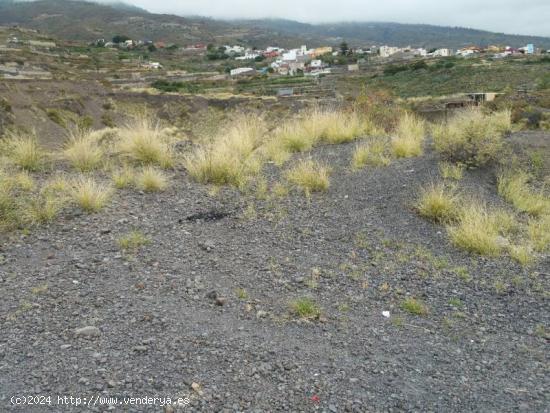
{"x":143,"y":142}
{"x":522,"y":254}
{"x":43,"y":208}
{"x":151,"y":179}
{"x":409,"y":137}
{"x":83,"y":152}
{"x":371,"y":153}
{"x":231,"y":159}
{"x":438,"y":203}
{"x":452,"y":171}
{"x":89,"y":194}
{"x":515,"y":189}
{"x":310,"y":176}
{"x":477,"y":230}
{"x":24,"y":151}
{"x":123,"y":177}
{"x":539,"y":233}
{"x":472,"y":137}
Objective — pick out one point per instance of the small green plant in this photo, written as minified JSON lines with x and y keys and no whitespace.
{"x":55,"y":116}
{"x":132,"y":241}
{"x":310,"y":176}
{"x":241,"y":294}
{"x":455,"y":302}
{"x":414,"y":306}
{"x":305,"y":308}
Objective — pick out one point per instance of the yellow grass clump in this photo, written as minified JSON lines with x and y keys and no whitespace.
{"x":310,"y":176}
{"x":231,"y":158}
{"x":409,"y":137}
{"x":42,"y":208}
{"x":83,"y":152}
{"x":539,"y":233}
{"x":151,"y":179}
{"x":438,"y":203}
{"x":24,"y":151}
{"x":472,"y":136}
{"x":477,"y":230}
{"x":371,"y":153}
{"x":123,"y":177}
{"x":452,"y":171}
{"x":143,"y":142}
{"x":89,"y":194}
{"x":515,"y":189}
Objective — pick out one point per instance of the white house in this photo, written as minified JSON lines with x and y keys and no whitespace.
{"x":249,"y":55}
{"x":242,"y":71}
{"x":316,"y":64}
{"x":234,"y":49}
{"x":290,"y":55}
{"x":443,"y":52}
{"x":387,"y":51}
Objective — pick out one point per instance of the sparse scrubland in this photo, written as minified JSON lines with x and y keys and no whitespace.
{"x":208,"y":225}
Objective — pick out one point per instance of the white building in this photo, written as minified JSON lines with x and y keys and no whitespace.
{"x":242,"y":71}
{"x":443,"y":52}
{"x":249,"y":55}
{"x":234,"y":49}
{"x":317,"y":63}
{"x":387,"y":51}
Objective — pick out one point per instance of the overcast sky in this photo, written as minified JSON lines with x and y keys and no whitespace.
{"x":508,"y":16}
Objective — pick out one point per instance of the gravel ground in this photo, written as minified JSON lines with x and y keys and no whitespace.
{"x":203,"y":310}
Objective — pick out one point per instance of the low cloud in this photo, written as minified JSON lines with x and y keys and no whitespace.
{"x":508,"y":16}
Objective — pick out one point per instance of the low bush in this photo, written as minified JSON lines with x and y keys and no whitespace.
{"x":472,"y":137}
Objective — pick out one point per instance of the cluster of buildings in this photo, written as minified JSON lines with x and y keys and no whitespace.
{"x":284,"y":61}
{"x":496,"y":51}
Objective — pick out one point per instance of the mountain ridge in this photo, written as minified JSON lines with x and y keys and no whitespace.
{"x":87,"y":21}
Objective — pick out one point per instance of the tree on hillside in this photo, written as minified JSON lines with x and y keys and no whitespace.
{"x":120,"y":39}
{"x":344,"y":48}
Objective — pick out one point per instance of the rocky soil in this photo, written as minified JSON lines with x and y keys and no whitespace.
{"x":203,"y":312}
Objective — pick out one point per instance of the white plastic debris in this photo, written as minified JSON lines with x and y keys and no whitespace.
{"x":386,"y":314}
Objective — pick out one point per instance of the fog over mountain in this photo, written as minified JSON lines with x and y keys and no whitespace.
{"x":507,"y":16}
